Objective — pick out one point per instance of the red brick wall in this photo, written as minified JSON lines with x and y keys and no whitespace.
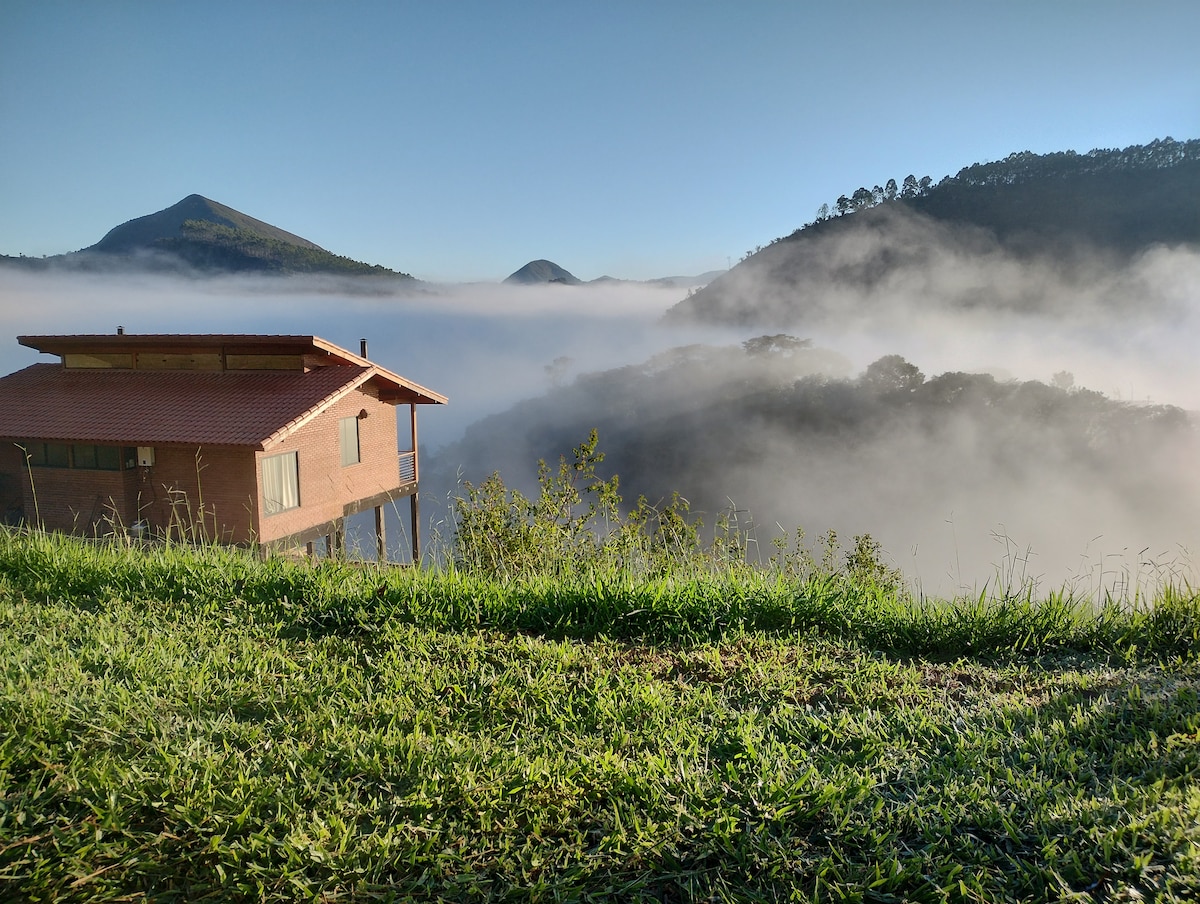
{"x":325,"y":486}
{"x":12,"y":493}
{"x":200,"y":494}
{"x":224,"y":484}
{"x":77,"y":501}
{"x":168,"y":497}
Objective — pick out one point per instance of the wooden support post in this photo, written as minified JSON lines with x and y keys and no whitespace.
{"x":412,"y":426}
{"x":414,"y":504}
{"x":415,"y":511}
{"x":308,"y":549}
{"x":339,"y":539}
{"x":380,"y":535}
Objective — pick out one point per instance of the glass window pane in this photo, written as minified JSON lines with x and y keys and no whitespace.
{"x":108,"y":458}
{"x":281,"y":483}
{"x":36,"y":453}
{"x":84,"y":456}
{"x":58,"y":455}
{"x":348,"y":437}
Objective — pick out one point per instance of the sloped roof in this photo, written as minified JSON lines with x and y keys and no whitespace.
{"x":145,"y":408}
{"x":394,"y":388}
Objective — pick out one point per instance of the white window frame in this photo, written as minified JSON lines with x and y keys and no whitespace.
{"x":349,"y":441}
{"x":281,"y":482}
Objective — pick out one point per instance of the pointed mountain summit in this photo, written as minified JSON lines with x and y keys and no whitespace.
{"x":168,"y":225}
{"x":542,"y":272}
{"x":200,"y":237}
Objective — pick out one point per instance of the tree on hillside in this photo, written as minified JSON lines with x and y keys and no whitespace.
{"x":862,"y":199}
{"x":892,"y":373}
{"x":780,"y":344}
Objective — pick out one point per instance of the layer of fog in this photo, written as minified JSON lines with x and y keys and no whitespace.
{"x":485,"y":346}
{"x":952,"y":511}
{"x":1129,"y":332}
{"x":956,"y":299}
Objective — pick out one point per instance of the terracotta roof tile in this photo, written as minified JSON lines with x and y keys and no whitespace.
{"x":143,"y":408}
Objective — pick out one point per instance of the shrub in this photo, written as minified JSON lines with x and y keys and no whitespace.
{"x":575,"y":526}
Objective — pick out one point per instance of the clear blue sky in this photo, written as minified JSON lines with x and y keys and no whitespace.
{"x":456,"y":141}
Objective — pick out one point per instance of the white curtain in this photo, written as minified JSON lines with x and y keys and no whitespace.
{"x":281,"y":482}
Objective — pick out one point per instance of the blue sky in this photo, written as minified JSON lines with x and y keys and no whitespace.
{"x":457,"y":141}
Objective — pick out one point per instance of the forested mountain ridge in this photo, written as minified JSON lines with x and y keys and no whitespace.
{"x":212,"y":246}
{"x":201,"y":235}
{"x":1124,"y":200}
{"x":1107,"y":203}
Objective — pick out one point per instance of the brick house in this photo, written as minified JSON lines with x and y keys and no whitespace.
{"x":268,"y":441}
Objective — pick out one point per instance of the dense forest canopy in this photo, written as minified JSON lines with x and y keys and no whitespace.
{"x":212,"y":246}
{"x":1022,"y":167}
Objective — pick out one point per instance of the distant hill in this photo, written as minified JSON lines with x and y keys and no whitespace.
{"x":686,"y":282}
{"x":201,"y":235}
{"x":542,"y":272}
{"x":662,"y":282}
{"x":1063,"y":209}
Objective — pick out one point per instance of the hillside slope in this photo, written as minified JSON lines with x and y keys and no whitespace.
{"x":168,"y":225}
{"x":540,"y":272}
{"x":947,"y":242}
{"x":201,"y":236}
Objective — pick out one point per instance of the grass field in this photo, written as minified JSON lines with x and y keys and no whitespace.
{"x":197,"y":725}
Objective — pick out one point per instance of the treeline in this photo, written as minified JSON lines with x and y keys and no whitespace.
{"x":1025,"y":166}
{"x":1018,"y":168}
{"x":865,"y":198}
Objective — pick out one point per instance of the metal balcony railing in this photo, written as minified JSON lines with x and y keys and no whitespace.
{"x":408,"y":467}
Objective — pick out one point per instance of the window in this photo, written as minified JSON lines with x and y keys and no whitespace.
{"x":83,"y":456}
{"x":78,"y":455}
{"x":57,"y":455}
{"x":108,"y":458}
{"x":280,"y":483}
{"x":348,"y":436}
{"x":73,"y":360}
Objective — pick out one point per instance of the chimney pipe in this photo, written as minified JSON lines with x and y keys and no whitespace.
{"x":120,"y":331}
{"x":363,"y":346}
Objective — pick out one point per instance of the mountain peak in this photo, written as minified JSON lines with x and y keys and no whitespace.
{"x":540,"y":272}
{"x":166,"y":224}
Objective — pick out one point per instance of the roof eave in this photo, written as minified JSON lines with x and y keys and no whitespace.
{"x":297,"y":422}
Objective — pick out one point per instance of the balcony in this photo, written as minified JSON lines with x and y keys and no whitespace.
{"x":408,"y":467}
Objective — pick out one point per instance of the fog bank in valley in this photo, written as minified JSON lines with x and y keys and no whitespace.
{"x":959,"y":475}
{"x":1050,"y":438}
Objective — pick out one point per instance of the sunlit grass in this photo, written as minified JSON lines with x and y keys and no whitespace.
{"x":199,"y":725}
